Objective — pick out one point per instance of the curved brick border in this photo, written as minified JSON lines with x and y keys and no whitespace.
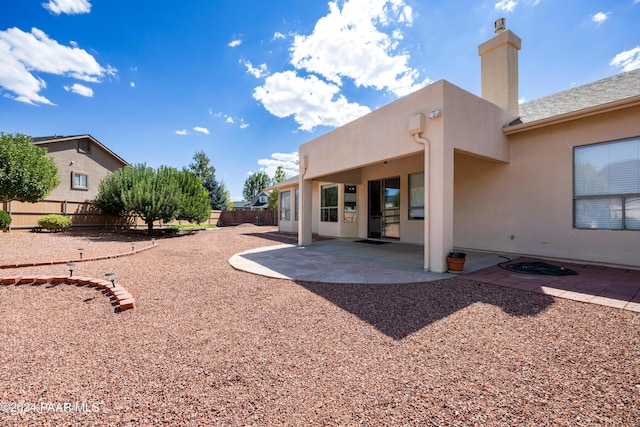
{"x":98,"y":258}
{"x":124,"y":299}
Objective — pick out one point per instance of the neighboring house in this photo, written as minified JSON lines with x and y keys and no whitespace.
{"x":259,"y":202}
{"x":557,"y":177}
{"x":82,"y":163}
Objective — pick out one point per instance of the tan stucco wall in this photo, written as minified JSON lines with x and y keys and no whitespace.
{"x":381,"y":134}
{"x":96,"y":165}
{"x":531,"y":198}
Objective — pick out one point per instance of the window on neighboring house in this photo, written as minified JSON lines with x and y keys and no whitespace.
{"x":79,"y":181}
{"x":606,"y":190}
{"x":84,"y":146}
{"x":329,"y":203}
{"x":285,"y":206}
{"x":416,"y":195}
{"x":350,"y":203}
{"x":295,"y":202}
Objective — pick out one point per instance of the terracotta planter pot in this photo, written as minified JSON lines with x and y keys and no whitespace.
{"x":455,"y":262}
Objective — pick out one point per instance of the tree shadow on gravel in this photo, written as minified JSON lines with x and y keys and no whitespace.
{"x":400,"y":310}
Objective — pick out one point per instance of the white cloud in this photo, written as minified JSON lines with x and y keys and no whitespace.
{"x":505,"y":5}
{"x":288,"y":161}
{"x":80,"y":90}
{"x":350,"y":43}
{"x":132,"y":84}
{"x":23,"y":55}
{"x":600,"y":17}
{"x":279,"y":35}
{"x":309,"y":100}
{"x":182,"y":132}
{"x":259,"y":72}
{"x":69,"y":7}
{"x":627,"y":60}
{"x":199,"y":129}
{"x":230,"y":119}
{"x":235,"y":43}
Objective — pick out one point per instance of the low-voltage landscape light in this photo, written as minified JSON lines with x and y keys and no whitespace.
{"x":71,"y":265}
{"x":111,"y":276}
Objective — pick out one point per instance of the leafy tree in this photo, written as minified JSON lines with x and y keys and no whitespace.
{"x":201,"y":166}
{"x":27,"y":174}
{"x":255,"y":184}
{"x":151,"y":194}
{"x":273,"y":197}
{"x":218,"y":194}
{"x":154,"y":194}
{"x":110,"y":190}
{"x":195,"y":205}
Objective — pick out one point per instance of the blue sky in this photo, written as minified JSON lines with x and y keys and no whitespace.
{"x":248,"y":81}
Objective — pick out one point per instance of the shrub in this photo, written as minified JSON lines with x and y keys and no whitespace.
{"x":5,"y":220}
{"x":54,"y":222}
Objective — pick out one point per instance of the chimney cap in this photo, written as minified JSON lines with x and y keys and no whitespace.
{"x":499,"y":25}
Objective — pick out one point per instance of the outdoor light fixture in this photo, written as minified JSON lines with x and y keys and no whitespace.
{"x":71,"y":265}
{"x":80,"y":250}
{"x":133,"y":246}
{"x":112,"y":277}
{"x":435,"y":113}
{"x":153,"y":241}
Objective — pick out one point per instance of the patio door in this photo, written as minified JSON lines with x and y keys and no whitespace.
{"x":384,"y":208}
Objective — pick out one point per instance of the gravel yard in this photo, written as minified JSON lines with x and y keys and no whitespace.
{"x":209,"y":345}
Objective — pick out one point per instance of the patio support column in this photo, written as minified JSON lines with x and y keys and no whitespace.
{"x":306,"y":210}
{"x":439,"y":223}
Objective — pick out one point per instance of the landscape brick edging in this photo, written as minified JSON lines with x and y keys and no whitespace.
{"x":124,"y":299}
{"x":98,"y":258}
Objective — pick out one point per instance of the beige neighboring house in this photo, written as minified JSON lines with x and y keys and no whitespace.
{"x":82,"y":163}
{"x":557,"y":177}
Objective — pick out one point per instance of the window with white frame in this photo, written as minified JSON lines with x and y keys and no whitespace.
{"x":285,"y":206}
{"x":329,"y":203}
{"x":350,"y":203}
{"x":416,"y":195}
{"x":606,"y":190}
{"x":79,"y":181}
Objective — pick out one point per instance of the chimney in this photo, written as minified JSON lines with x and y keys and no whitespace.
{"x":499,"y":68}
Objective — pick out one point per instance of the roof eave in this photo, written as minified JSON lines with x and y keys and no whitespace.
{"x":573,"y":115}
{"x":86,"y":135}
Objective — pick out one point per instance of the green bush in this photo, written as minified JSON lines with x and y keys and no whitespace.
{"x":5,"y":220}
{"x":54,"y":222}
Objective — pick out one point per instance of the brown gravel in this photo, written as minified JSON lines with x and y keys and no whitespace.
{"x":208,"y":345}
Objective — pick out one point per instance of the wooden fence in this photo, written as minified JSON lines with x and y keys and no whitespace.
{"x":25,"y":216}
{"x":258,"y":217}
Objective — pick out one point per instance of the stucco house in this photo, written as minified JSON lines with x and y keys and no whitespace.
{"x":82,"y":163}
{"x":557,"y":177}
